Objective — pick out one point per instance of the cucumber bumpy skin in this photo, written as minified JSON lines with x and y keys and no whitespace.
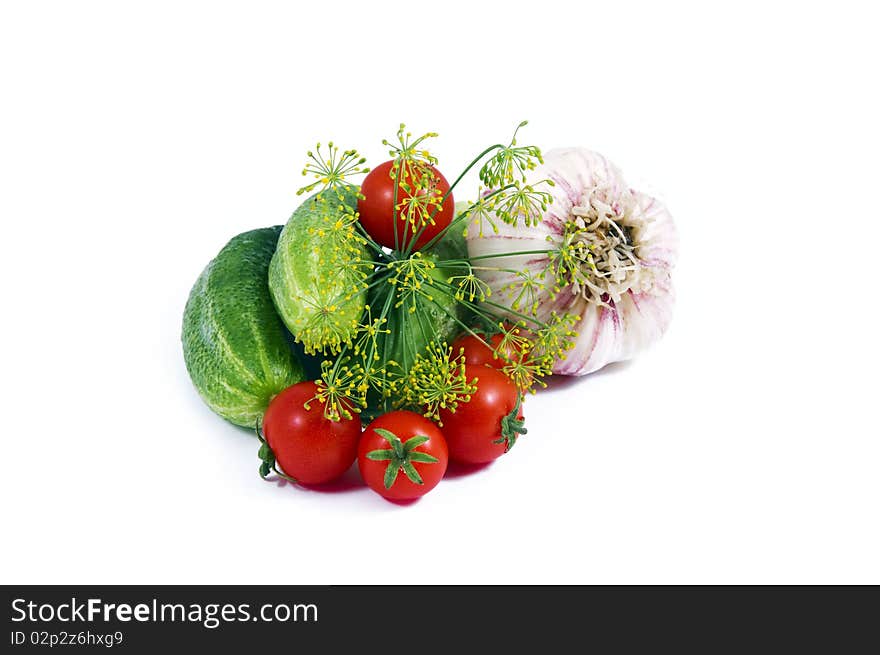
{"x":317,"y":274}
{"x":234,"y":344}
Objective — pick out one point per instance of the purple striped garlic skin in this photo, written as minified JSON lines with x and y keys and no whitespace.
{"x":627,"y":244}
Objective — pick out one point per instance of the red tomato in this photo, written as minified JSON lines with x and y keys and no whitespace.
{"x":306,"y":445}
{"x":486,"y":427}
{"x":477,"y":353}
{"x":376,"y":208}
{"x":402,"y":455}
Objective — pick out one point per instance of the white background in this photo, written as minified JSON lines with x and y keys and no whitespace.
{"x":137,"y":138}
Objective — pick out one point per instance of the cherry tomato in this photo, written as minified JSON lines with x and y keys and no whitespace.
{"x":402,"y":455}
{"x":306,"y":445}
{"x":477,"y":353}
{"x":376,"y":208}
{"x":486,"y":427}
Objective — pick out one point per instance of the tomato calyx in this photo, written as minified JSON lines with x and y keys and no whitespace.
{"x":512,"y":426}
{"x":267,"y":459}
{"x":401,"y":455}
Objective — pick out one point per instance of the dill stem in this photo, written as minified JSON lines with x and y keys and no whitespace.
{"x":452,"y":263}
{"x":512,"y":254}
{"x":369,"y":240}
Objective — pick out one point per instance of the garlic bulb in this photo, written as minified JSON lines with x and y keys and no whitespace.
{"x":601,"y":251}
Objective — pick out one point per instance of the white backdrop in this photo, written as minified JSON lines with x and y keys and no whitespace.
{"x":137,"y":138}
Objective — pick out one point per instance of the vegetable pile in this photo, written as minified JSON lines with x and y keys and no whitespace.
{"x":389,"y":304}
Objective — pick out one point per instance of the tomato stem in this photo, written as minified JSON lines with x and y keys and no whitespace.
{"x":401,"y":456}
{"x":511,"y":426}
{"x":267,"y":458}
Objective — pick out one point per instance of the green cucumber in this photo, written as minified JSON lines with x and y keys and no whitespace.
{"x":316,"y":276}
{"x":235,"y":346}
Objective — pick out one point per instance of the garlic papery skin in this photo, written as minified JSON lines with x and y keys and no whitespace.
{"x":611,"y":254}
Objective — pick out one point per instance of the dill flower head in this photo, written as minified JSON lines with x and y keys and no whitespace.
{"x":339,"y":389}
{"x":438,"y":380}
{"x":411,"y":277}
{"x":331,"y":171}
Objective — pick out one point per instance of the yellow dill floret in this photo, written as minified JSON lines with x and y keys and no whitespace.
{"x":510,"y":163}
{"x":339,"y":390}
{"x":470,"y":287}
{"x":524,"y":202}
{"x":321,"y":330}
{"x":407,"y":150}
{"x":529,"y":354}
{"x":480,"y":212}
{"x":438,"y":380}
{"x":527,"y":288}
{"x":421,"y":202}
{"x":556,"y":337}
{"x":332,"y":170}
{"x":367,"y":334}
{"x":411,"y":278}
